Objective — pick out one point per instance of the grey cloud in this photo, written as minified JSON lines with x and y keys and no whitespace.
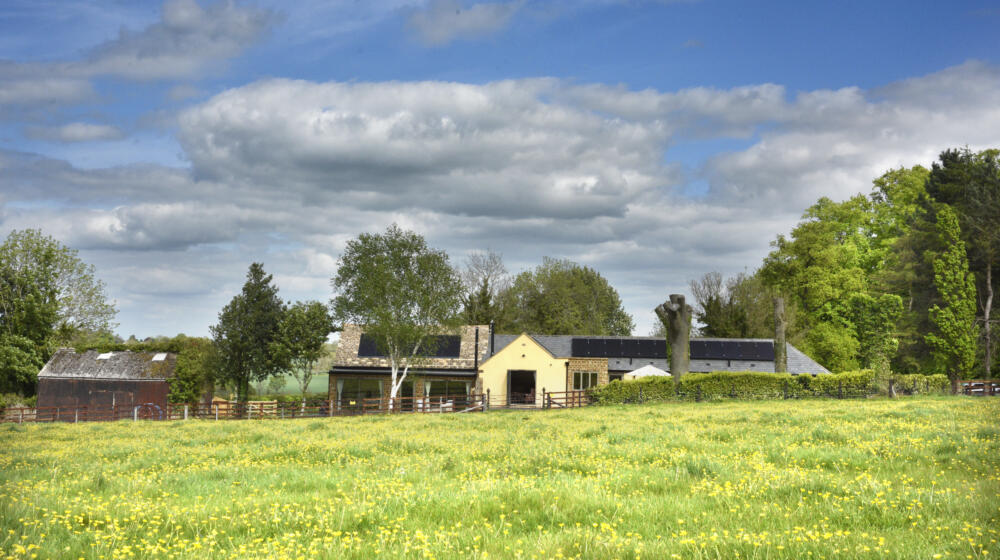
{"x":74,"y":132}
{"x":443,"y":21}
{"x":496,"y":149}
{"x":286,"y":172}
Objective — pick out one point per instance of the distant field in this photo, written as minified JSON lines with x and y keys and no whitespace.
{"x":909,"y":478}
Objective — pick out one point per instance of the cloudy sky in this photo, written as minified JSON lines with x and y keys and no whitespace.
{"x":173,"y":144}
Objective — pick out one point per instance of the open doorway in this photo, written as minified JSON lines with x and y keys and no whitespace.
{"x":520,"y":386}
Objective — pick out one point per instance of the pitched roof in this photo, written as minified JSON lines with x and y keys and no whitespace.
{"x":561,"y":346}
{"x":143,"y":366}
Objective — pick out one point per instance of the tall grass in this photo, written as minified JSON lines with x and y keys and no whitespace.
{"x":908,"y":478}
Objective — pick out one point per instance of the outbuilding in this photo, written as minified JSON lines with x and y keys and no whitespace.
{"x":105,"y":380}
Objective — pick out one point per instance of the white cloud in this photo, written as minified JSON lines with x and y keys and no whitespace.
{"x":188,"y":40}
{"x":443,"y":21}
{"x":75,"y":132}
{"x":286,"y":171}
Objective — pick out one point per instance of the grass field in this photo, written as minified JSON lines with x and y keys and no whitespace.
{"x":909,"y":478}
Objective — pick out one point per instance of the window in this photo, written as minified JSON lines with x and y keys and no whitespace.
{"x":447,"y":388}
{"x":584,"y":380}
{"x":353,"y":391}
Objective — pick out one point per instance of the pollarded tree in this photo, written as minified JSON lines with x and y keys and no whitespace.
{"x":247,"y":326}
{"x":954,"y":343}
{"x":400,"y":292}
{"x":301,"y":340}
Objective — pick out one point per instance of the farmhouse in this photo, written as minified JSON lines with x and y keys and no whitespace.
{"x":515,"y":369}
{"x":521,"y":366}
{"x":103,"y":380}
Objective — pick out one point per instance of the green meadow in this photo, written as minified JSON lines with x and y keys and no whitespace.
{"x":906,"y":478}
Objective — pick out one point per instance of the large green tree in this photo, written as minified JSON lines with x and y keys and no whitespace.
{"x":301,"y":340}
{"x":48,"y":297}
{"x":954,"y":341}
{"x":399,"y":291}
{"x":247,"y":326}
{"x":969,"y":182}
{"x":562,"y":297}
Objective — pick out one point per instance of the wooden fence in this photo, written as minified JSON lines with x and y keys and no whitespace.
{"x":980,"y":387}
{"x":256,"y":410}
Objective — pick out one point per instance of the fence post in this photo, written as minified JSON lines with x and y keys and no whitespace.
{"x":487,"y":398}
{"x":135,"y":414}
{"x":697,"y":396}
{"x":185,"y":412}
{"x":20,"y":416}
{"x":216,"y":412}
{"x":840,"y":389}
{"x":76,"y":415}
{"x":329,"y":409}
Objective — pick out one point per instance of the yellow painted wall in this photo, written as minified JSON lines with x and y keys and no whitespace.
{"x":523,"y":354}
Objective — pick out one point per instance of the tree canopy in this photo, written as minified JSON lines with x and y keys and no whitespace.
{"x":48,"y":297}
{"x":247,"y":327}
{"x":301,"y":339}
{"x":562,"y":297}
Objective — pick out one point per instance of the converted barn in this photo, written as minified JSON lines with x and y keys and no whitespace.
{"x":105,"y":380}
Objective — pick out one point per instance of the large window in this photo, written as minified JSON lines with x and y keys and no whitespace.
{"x":447,"y":388}
{"x":353,"y":391}
{"x":584,"y":380}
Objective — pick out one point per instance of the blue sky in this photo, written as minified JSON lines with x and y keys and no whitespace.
{"x":175,"y":143}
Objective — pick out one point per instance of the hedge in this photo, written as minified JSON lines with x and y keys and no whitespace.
{"x":749,"y":385}
{"x":917,"y":384}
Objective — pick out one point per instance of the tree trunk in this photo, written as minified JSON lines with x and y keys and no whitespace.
{"x":676,"y":317}
{"x":986,"y":317}
{"x":780,"y":324}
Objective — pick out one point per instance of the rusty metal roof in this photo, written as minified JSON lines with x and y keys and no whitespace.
{"x":67,"y":363}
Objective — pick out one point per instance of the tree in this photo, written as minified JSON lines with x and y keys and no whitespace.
{"x":739,"y":307}
{"x":486,"y":280}
{"x":301,"y":340}
{"x":675,"y":315}
{"x":247,"y":326}
{"x":20,"y":363}
{"x":194,"y":376}
{"x":562,"y":297}
{"x":954,"y":342}
{"x":45,"y":288}
{"x":400,"y":292}
{"x":970,"y":183}
{"x":874,"y":320}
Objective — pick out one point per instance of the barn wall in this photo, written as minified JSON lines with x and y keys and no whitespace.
{"x":100,"y":393}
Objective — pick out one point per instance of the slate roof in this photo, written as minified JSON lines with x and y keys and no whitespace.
{"x":67,"y":363}
{"x":561,"y":346}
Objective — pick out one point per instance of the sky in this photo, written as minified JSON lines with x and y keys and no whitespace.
{"x":175,"y":143}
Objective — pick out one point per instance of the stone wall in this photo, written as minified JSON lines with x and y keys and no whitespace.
{"x":350,"y":339}
{"x":600,"y":365}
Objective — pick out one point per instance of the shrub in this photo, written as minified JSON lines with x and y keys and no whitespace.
{"x":653,"y":388}
{"x":752,"y":385}
{"x":747,"y":385}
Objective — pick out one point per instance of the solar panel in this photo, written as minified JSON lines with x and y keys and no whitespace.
{"x":441,"y":346}
{"x":617,"y":348}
